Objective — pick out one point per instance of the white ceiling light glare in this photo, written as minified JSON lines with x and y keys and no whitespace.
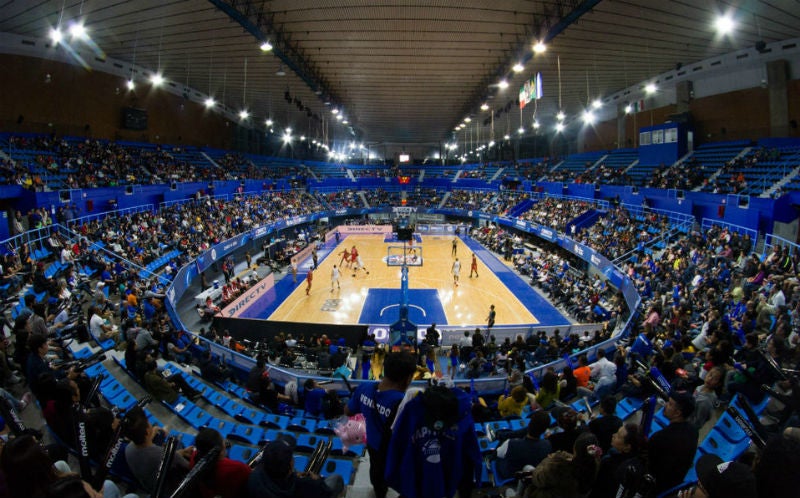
{"x":597,"y":104}
{"x":468,"y":119}
{"x":280,"y":71}
{"x":539,"y":48}
{"x":724,"y":24}
{"x":210,"y":102}
{"x":244,"y":114}
{"x":628,"y":109}
{"x":268,"y":122}
{"x":287,"y":137}
{"x":650,"y":88}
{"x":561,"y":116}
{"x":484,"y":107}
{"x":559,"y":127}
{"x":588,"y":117}
{"x":266,"y":46}
{"x":56,"y":36}
{"x":344,"y":121}
{"x":335,"y":110}
{"x":339,"y":117}
{"x":503,"y":84}
{"x":78,"y":31}
{"x":518,"y":68}
{"x":157,"y":79}
{"x":131,"y":85}
{"x":536,"y":125}
{"x":491,"y":144}
{"x":506,"y":137}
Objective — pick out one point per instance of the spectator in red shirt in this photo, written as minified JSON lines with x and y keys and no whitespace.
{"x":226,"y":478}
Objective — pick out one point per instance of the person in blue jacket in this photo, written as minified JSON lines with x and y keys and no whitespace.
{"x":378,"y":402}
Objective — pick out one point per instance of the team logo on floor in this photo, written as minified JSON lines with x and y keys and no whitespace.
{"x":331,"y":304}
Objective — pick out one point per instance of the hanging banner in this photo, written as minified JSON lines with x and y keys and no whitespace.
{"x":531,"y":90}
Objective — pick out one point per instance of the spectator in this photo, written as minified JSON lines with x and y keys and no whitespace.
{"x":144,"y":456}
{"x":718,"y":479}
{"x":607,"y":423}
{"x":514,"y":454}
{"x":671,"y":450}
{"x":513,"y":404}
{"x":567,"y":419}
{"x":705,"y":397}
{"x":275,"y":475}
{"x":225,"y":478}
{"x":313,"y":394}
{"x":548,"y":391}
{"x":166,"y":389}
{"x":565,"y":475}
{"x":379,"y":401}
{"x":210,"y":369}
{"x":625,"y":452}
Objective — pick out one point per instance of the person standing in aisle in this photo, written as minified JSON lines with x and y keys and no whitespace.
{"x":314,"y":256}
{"x":454,"y":252}
{"x":379,"y":401}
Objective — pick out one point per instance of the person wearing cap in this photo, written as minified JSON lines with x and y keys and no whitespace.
{"x":671,"y":450}
{"x":514,"y":454}
{"x":276,"y":477}
{"x":718,"y":479}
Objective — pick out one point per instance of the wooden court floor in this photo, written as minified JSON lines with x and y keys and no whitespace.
{"x":464,"y":305}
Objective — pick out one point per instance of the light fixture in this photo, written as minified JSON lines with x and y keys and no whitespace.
{"x":244,"y":114}
{"x":157,"y":79}
{"x":484,"y":107}
{"x":352,"y":145}
{"x":521,"y":130}
{"x":650,"y":88}
{"x":536,"y":125}
{"x":289,"y":131}
{"x":56,"y":36}
{"x":287,"y":137}
{"x":491,"y":144}
{"x":210,"y":102}
{"x":468,"y":119}
{"x":559,"y":127}
{"x":266,"y":46}
{"x":539,"y":47}
{"x":503,"y":84}
{"x":724,"y":24}
{"x":588,"y":117}
{"x":302,"y":138}
{"x":561,"y":116}
{"x":597,"y":104}
{"x":280,"y":71}
{"x":339,"y":117}
{"x":78,"y":31}
{"x":518,"y":68}
{"x":344,"y":121}
{"x":131,"y":84}
{"x":335,"y":110}
{"x":628,"y":109}
{"x":268,"y":122}
{"x":507,"y":137}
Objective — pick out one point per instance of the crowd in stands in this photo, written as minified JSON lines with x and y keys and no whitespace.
{"x":604,"y":175}
{"x":556,"y":213}
{"x":686,"y":176}
{"x":718,"y":317}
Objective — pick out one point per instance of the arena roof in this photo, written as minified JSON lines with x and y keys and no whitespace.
{"x":405,"y":71}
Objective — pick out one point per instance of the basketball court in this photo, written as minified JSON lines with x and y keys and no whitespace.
{"x":374,"y":297}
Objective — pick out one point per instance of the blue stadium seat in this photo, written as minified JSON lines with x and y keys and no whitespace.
{"x":487,"y":445}
{"x":337,"y":448}
{"x":241,"y":453}
{"x":250,"y":416}
{"x":324,"y":427}
{"x":275,"y":421}
{"x":197,"y":418}
{"x":339,"y":466}
{"x":499,"y":481}
{"x":628,"y":406}
{"x":309,"y":442}
{"x":301,"y":424}
{"x":247,"y":434}
{"x":224,"y":427}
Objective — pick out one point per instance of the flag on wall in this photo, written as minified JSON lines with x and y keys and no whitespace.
{"x":637,"y":106}
{"x":531,"y":90}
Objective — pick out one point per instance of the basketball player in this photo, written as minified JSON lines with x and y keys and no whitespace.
{"x":294,"y":272}
{"x":454,"y":252}
{"x":309,"y":278}
{"x":345,"y":257}
{"x":359,"y":264}
{"x":335,"y":277}
{"x":456,"y":271}
{"x":473,"y":267}
{"x":491,"y":317}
